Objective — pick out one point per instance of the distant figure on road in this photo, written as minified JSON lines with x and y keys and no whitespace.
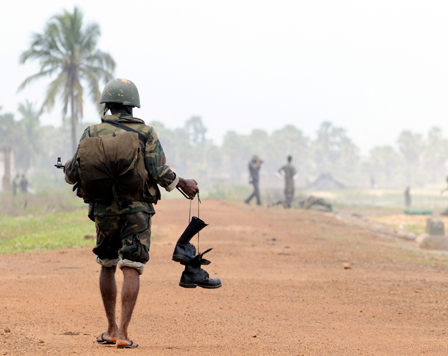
{"x":372,"y":182}
{"x":288,"y":171}
{"x":15,"y":184}
{"x":407,"y":197}
{"x":254,"y":168}
{"x":23,"y":184}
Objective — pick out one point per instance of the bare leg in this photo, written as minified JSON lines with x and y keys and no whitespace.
{"x":129,"y":293}
{"x":108,"y":289}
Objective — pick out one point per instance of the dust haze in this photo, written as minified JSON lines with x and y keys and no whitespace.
{"x":354,"y":92}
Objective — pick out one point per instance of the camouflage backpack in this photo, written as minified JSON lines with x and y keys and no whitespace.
{"x":112,"y":167}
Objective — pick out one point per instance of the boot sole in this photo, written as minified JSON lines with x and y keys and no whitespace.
{"x":184,"y":285}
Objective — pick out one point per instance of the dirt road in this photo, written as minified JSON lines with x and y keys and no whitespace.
{"x":294,"y":283}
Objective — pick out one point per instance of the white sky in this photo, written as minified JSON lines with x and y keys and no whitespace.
{"x":372,"y":67}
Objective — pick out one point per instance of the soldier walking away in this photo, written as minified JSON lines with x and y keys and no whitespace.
{"x":407,"y":197}
{"x":23,"y":184}
{"x":15,"y":185}
{"x":254,"y":169}
{"x":289,"y":172}
{"x":121,"y":199}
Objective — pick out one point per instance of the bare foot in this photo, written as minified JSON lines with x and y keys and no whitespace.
{"x":106,"y":339}
{"x":126,"y":344}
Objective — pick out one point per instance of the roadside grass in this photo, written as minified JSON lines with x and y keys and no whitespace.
{"x":45,"y":231}
{"x":385,"y":250}
{"x":48,"y":200}
{"x":416,"y":229}
{"x":227,"y":192}
{"x":387,"y":199}
{"x":421,"y":258}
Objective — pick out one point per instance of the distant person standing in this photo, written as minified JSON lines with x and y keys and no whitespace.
{"x":23,"y":184}
{"x":254,"y":169}
{"x":372,"y":182}
{"x":15,"y":184}
{"x":288,"y":171}
{"x":407,"y":197}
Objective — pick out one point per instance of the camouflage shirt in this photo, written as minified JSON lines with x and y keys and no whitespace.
{"x":289,"y":171}
{"x":155,"y":163}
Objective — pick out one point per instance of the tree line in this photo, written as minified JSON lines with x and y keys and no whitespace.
{"x":67,"y":52}
{"x":415,"y":159}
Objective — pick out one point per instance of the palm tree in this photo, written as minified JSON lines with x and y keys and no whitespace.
{"x":68,"y":49}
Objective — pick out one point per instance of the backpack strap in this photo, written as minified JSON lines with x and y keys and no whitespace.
{"x":127,"y":128}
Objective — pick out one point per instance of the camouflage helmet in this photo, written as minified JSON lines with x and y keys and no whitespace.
{"x":121,"y":91}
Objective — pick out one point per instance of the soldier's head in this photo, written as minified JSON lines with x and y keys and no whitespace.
{"x":117,"y":108}
{"x":289,"y":158}
{"x":120,"y":95}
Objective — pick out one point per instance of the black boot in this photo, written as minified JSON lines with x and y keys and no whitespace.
{"x":184,"y":250}
{"x":194,"y":276}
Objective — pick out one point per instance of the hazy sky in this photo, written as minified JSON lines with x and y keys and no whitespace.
{"x":374,"y":68}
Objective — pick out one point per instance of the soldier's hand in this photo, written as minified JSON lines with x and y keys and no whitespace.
{"x":189,"y":187}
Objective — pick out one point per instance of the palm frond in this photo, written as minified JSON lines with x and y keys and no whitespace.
{"x":91,"y":77}
{"x":89,"y":38}
{"x":101,"y":59}
{"x":78,"y":100}
{"x":36,"y":76}
{"x":53,"y":33}
{"x":53,"y":90}
{"x":100,"y":73}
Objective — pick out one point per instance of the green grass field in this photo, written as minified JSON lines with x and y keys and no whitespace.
{"x":45,"y":231}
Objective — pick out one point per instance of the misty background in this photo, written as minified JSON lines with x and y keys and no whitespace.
{"x":354,"y":89}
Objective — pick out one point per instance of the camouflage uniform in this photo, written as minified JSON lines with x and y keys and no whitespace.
{"x":124,"y":228}
{"x":289,"y":171}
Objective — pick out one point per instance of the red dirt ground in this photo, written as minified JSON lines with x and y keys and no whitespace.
{"x":285,"y":292}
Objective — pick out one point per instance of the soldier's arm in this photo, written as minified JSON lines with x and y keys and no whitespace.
{"x":155,"y":163}
{"x":156,"y":166}
{"x":71,"y":168}
{"x":257,"y":164}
